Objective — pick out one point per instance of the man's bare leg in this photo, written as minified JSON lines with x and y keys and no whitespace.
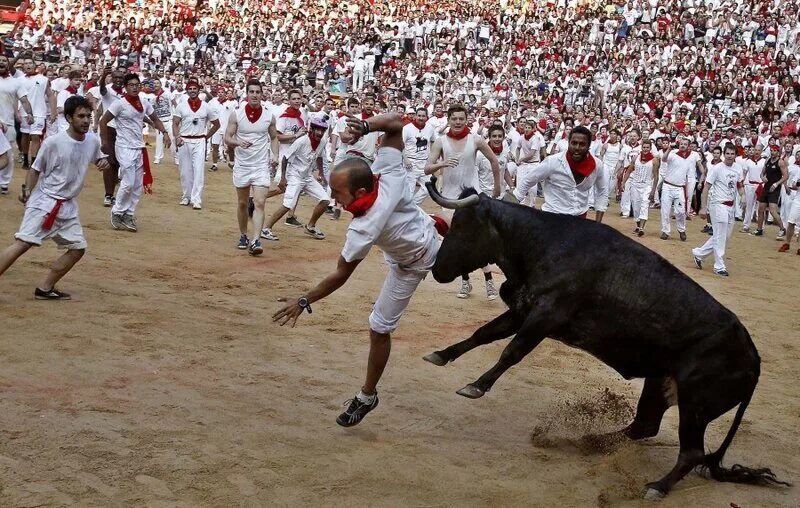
{"x":317,"y":213}
{"x":380,"y":345}
{"x":12,"y":253}
{"x":242,"y":199}
{"x":61,"y":267}
{"x":259,"y":201}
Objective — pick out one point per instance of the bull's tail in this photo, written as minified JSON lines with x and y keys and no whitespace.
{"x":738,"y":473}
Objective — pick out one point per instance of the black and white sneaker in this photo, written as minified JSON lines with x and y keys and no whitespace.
{"x":723,"y":273}
{"x":107,"y":200}
{"x":698,"y":262}
{"x":51,"y":294}
{"x":4,"y":189}
{"x":292,"y":221}
{"x":356,"y":411}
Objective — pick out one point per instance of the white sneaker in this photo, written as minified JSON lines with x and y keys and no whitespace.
{"x":197,"y":206}
{"x":491,"y":291}
{"x":184,"y":202}
{"x":267,"y":234}
{"x":466,"y":289}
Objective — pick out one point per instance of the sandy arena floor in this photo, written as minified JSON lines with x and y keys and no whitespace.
{"x":164,"y":382}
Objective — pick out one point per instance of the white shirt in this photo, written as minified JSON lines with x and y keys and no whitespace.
{"x":130,"y":122}
{"x":680,"y":170}
{"x":301,"y":158}
{"x":62,"y":164}
{"x":724,"y":181}
{"x":562,"y":194}
{"x":463,"y":176}
{"x":752,"y":170}
{"x":12,"y":88}
{"x":61,"y":99}
{"x":418,"y":143}
{"x":162,"y":104}
{"x":531,"y":146}
{"x":256,"y":156}
{"x":395,"y":224}
{"x":194,"y":123}
{"x":37,"y":93}
{"x":485,"y":174}
{"x":365,"y":145}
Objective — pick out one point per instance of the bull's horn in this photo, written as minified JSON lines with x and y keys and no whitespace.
{"x":450,"y":203}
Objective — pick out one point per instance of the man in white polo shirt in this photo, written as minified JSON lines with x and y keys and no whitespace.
{"x":568,"y":177}
{"x":384,"y":215}
{"x":190,"y":126}
{"x":680,"y":164}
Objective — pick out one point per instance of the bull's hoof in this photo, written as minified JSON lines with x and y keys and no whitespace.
{"x":435,"y":358}
{"x":653,"y":494}
{"x":471,"y":392}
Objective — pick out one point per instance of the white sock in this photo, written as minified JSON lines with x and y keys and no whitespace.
{"x":366,"y":399}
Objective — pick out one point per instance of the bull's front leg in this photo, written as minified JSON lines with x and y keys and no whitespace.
{"x":501,"y":327}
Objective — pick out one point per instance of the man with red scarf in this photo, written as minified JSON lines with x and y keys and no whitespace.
{"x":71,"y":90}
{"x":108,"y":96}
{"x":134,"y":167}
{"x":299,"y":160}
{"x":568,"y":177}
{"x":50,"y":192}
{"x":291,"y":125}
{"x":681,"y":165}
{"x":418,"y":136}
{"x":384,"y":215}
{"x":455,"y":156}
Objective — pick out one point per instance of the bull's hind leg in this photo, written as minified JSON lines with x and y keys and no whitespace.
{"x":691,"y":429}
{"x":504,"y":325}
{"x":515,"y":351}
{"x":658,"y":395}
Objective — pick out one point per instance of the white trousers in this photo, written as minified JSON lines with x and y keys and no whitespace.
{"x":131,"y":175}
{"x":722,"y":220}
{"x":418,"y":177}
{"x":8,"y":171}
{"x":750,"y":203}
{"x":526,"y":188}
{"x":191,"y":163}
{"x":640,"y":199}
{"x":786,"y":203}
{"x":398,"y":288}
{"x":626,"y":200}
{"x":358,"y":80}
{"x":673,"y":200}
{"x":159,"y":155}
{"x":611,"y":173}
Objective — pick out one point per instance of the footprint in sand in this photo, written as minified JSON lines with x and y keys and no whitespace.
{"x":95,"y":483}
{"x":245,"y":486}
{"x":158,"y":487}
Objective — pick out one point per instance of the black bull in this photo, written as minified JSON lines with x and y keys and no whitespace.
{"x":590,"y":287}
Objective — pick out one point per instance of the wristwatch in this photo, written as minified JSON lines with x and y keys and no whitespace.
{"x":303,"y":303}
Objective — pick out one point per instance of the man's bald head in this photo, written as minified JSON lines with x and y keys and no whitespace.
{"x":351,"y":179}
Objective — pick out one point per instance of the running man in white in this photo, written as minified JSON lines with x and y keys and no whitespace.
{"x":418,"y":137}
{"x":39,"y":95}
{"x":639,"y":180}
{"x":673,"y":189}
{"x":531,"y":150}
{"x":49,"y":193}
{"x":299,"y":160}
{"x":252,"y":134}
{"x":384,"y":215}
{"x":610,"y":155}
{"x":497,"y":137}
{"x":190,"y":126}
{"x":792,"y":189}
{"x":722,"y":183}
{"x":129,"y":113}
{"x":71,"y":90}
{"x":291,"y":126}
{"x":454,"y":154}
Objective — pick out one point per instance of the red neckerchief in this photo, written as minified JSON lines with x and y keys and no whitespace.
{"x":134,"y":101}
{"x":72,"y":90}
{"x":717,"y":161}
{"x":195,"y":104}
{"x":4,"y":74}
{"x":439,"y":115}
{"x":117,"y":90}
{"x":646,"y":157}
{"x":585,"y":167}
{"x":684,"y":155}
{"x":365,"y":116}
{"x":253,"y":114}
{"x":31,"y":74}
{"x":314,"y":141}
{"x":361,"y":205}
{"x":159,"y":94}
{"x":460,"y":135}
{"x":419,"y":126}
{"x":529,"y":135}
{"x":498,"y":150}
{"x":293,"y":113}
{"x":520,"y":130}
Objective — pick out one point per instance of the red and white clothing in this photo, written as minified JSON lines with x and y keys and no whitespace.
{"x":130,"y":153}
{"x":402,"y":230}
{"x":561,"y":193}
{"x":12,"y":88}
{"x":61,"y":123}
{"x":252,"y":164}
{"x":611,"y":158}
{"x":674,"y":188}
{"x":640,"y":185}
{"x":628,"y":155}
{"x":465,"y":174}
{"x":289,"y":122}
{"x":529,"y":147}
{"x":418,"y":143}
{"x":62,"y":164}
{"x":195,"y":118}
{"x":752,"y":179}
{"x":301,"y":163}
{"x":485,"y":174}
{"x":365,"y":146}
{"x":724,"y":181}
